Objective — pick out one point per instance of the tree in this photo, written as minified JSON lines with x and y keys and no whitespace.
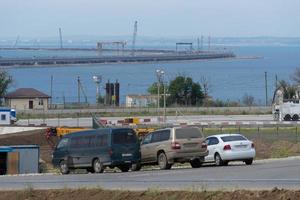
{"x":296,"y":76}
{"x":205,"y":83}
{"x":248,"y":100}
{"x":153,"y":88}
{"x":5,"y":82}
{"x":289,"y":91}
{"x":184,"y":91}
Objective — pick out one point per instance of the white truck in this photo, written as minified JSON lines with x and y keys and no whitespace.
{"x":286,"y":111}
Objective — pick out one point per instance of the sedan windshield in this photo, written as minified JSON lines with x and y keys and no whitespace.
{"x":233,"y":138}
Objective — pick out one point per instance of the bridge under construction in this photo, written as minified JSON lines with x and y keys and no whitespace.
{"x":144,"y":56}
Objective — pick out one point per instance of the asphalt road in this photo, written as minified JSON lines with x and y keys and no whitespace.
{"x":87,"y":122}
{"x":282,"y":173}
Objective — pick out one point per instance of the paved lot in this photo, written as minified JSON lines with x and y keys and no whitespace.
{"x":281,"y":173}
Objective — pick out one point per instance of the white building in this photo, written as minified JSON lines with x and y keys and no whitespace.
{"x":141,"y":100}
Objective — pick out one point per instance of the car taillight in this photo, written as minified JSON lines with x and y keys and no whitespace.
{"x":204,"y":145}
{"x":252,"y":145}
{"x":110,"y":151}
{"x":227,"y":147}
{"x":175,"y":145}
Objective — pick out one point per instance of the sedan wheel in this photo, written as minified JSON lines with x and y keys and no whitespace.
{"x":98,"y":166}
{"x":196,"y":163}
{"x":218,"y":160}
{"x":249,"y":161}
{"x":63,"y":166}
{"x":163,"y":162}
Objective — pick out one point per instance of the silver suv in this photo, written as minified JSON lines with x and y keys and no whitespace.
{"x":179,"y":144}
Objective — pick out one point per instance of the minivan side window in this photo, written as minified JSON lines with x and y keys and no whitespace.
{"x":63,"y":143}
{"x":147,"y":139}
{"x":155,"y":137}
{"x":164,"y":135}
{"x":101,"y":141}
{"x":160,"y":136}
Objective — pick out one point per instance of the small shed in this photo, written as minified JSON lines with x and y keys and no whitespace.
{"x":19,"y":159}
{"x":5,"y":116}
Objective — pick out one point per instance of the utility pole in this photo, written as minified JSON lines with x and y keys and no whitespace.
{"x":78,"y":89}
{"x":202,"y":38}
{"x":158,"y":87}
{"x":266,"y":87}
{"x":60,"y":38}
{"x":276,"y":81}
{"x":198,"y":44}
{"x":51,"y":90}
{"x":159,"y":74}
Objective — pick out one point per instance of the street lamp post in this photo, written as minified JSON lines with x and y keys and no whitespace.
{"x":165,"y":111}
{"x":159,"y":74}
{"x":97,"y":79}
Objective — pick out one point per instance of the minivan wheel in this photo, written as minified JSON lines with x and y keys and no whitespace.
{"x":196,"y":163}
{"x":90,"y":170}
{"x":98,"y":166}
{"x":163,"y":161}
{"x":124,"y":168}
{"x":249,"y":161}
{"x":136,"y":166}
{"x":218,"y":160}
{"x":63,"y":167}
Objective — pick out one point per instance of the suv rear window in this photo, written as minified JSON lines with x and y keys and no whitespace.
{"x":233,"y":138}
{"x":184,"y":133}
{"x":124,"y":137}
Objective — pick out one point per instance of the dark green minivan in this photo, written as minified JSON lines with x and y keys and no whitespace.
{"x":94,"y":150}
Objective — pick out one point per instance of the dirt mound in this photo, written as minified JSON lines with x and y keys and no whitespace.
{"x":95,"y":194}
{"x":29,"y":137}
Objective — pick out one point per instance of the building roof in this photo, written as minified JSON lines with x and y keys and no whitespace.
{"x":26,"y":93}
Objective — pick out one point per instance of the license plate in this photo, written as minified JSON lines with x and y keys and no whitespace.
{"x":126,"y":154}
{"x":241,"y":146}
{"x":190,"y":145}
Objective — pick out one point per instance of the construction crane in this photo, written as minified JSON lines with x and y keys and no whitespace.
{"x":134,"y":37}
{"x":60,"y":38}
{"x":16,"y":42}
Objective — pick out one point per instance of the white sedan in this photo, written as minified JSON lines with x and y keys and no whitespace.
{"x":229,"y":147}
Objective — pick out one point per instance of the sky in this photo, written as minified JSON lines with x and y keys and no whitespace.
{"x":156,"y":18}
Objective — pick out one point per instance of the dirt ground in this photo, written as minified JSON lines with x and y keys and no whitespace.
{"x":30,"y":137}
{"x":95,"y":194}
{"x":264,"y":149}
